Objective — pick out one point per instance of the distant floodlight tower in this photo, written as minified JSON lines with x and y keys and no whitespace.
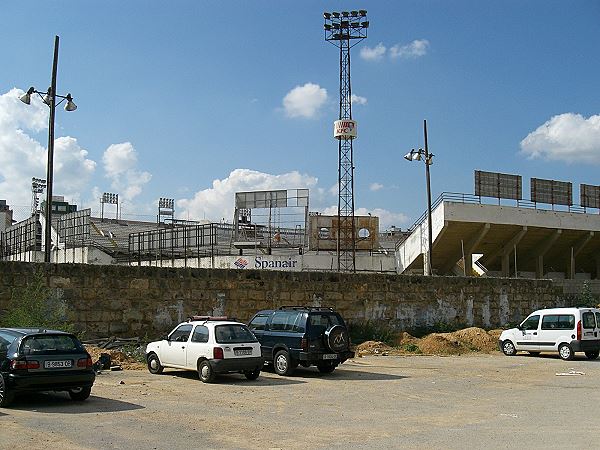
{"x":110,"y":199}
{"x":345,"y":30}
{"x":166,"y":207}
{"x":37,"y":187}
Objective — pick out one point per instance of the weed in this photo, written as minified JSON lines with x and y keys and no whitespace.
{"x":371,"y":331}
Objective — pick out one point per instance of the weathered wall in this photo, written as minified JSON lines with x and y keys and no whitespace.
{"x":139,"y":301}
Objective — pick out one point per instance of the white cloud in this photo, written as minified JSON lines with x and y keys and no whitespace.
{"x":373,"y":53}
{"x":386,"y":218}
{"x":23,"y":157}
{"x":217,"y":202}
{"x":376,"y":187}
{"x":567,"y":137}
{"x":415,"y":49}
{"x":304,"y":101}
{"x":120,"y":161}
{"x":358,"y":100}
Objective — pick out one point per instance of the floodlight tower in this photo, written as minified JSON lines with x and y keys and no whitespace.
{"x":344,"y":30}
{"x":37,"y":187}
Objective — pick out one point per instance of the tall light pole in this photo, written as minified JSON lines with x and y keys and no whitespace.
{"x":344,"y":30}
{"x":427,"y":158}
{"x":49,"y":98}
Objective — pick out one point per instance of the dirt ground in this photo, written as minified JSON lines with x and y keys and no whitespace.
{"x":475,"y":400}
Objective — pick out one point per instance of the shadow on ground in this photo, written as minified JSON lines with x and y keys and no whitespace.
{"x":59,"y":402}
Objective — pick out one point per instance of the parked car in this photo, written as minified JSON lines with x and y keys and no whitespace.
{"x":562,"y":330}
{"x":208,"y":345}
{"x":33,"y":360}
{"x":304,"y":335}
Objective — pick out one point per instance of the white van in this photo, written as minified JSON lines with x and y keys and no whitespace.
{"x":562,"y":330}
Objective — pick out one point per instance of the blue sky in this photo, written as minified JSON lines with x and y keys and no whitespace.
{"x":196,"y":100}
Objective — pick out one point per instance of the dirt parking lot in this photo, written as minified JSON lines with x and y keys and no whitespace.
{"x":480,"y":401}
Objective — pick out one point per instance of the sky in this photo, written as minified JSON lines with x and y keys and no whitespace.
{"x":197,"y":100}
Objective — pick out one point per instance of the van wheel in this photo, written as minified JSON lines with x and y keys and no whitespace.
{"x":566,"y":352}
{"x":508,"y":348}
{"x":592,"y":355}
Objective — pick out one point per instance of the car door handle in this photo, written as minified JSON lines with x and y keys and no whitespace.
{"x":183,"y":347}
{"x":535,"y":332}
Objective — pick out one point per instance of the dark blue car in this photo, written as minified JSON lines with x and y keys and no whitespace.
{"x":34,"y":360}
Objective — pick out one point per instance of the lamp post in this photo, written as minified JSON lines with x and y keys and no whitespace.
{"x":427,"y":158}
{"x":49,"y":98}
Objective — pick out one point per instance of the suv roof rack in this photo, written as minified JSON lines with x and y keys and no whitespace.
{"x":207,"y":318}
{"x":310,"y":308}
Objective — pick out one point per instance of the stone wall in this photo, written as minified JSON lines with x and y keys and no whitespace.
{"x":147,"y":301}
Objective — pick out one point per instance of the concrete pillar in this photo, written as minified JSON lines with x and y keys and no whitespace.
{"x":506,"y":265}
{"x":539,"y":266}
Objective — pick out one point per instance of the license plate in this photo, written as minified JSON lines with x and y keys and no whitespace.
{"x":330,"y":356}
{"x":57,"y":364}
{"x":243,"y":352}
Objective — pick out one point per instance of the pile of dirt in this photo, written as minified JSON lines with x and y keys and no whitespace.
{"x":117,"y":358}
{"x":459,"y":342}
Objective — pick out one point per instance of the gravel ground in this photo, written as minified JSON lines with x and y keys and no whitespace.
{"x":479,"y":401}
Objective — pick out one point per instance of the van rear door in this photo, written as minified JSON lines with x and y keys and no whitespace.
{"x":588,"y":324}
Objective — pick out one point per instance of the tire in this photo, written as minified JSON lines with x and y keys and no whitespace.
{"x":6,"y":397}
{"x":253,"y":375}
{"x":508,"y":348}
{"x":534,"y":353}
{"x":326,"y":367}
{"x":282,"y":363}
{"x":206,"y":372}
{"x":337,"y":339}
{"x":592,"y":354}
{"x":565,"y":352}
{"x":80,"y":394}
{"x":154,"y":365}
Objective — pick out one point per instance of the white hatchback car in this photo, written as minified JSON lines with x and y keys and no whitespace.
{"x":209,"y":345}
{"x":562,"y":330}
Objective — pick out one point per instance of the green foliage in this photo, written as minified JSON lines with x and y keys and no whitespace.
{"x":410,"y":347}
{"x":586,"y":298}
{"x":36,"y":306}
{"x":371,"y":331}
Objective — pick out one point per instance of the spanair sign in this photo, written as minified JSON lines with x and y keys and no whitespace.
{"x":268,"y":263}
{"x":344,"y":129}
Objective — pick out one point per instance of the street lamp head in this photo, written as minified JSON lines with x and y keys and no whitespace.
{"x":26,"y":97}
{"x":413,"y":155}
{"x":70,"y":106}
{"x":47,"y":99}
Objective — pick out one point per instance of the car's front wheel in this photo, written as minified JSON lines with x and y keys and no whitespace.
{"x":206,"y":372}
{"x":592,"y":354}
{"x":508,"y":348}
{"x":6,"y":397}
{"x":252,"y":375}
{"x":566,"y":352}
{"x":282,"y":363}
{"x":80,"y":394}
{"x":154,"y":365}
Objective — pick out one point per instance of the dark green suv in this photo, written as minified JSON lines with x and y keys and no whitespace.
{"x":305,"y":335}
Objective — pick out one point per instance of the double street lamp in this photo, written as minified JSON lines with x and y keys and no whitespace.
{"x":427,"y":158}
{"x":49,"y":98}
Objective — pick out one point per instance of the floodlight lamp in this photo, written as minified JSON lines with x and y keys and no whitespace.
{"x":327,"y":26}
{"x":409,"y":155}
{"x":365,"y":24}
{"x":26,"y":97}
{"x":345,"y":24}
{"x":355,"y":24}
{"x":70,"y":106}
{"x":48,"y":97}
{"x":336,"y":26}
{"x":345,"y":13}
{"x":335,"y":14}
{"x":327,"y":15}
{"x":354,"y":13}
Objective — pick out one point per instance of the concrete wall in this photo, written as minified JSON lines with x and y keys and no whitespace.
{"x":146,"y":301}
